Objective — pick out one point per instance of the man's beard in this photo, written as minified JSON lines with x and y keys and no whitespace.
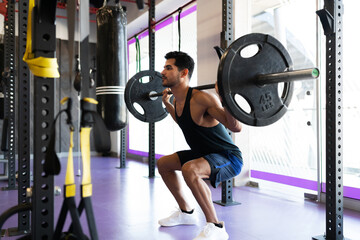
{"x":169,"y":84}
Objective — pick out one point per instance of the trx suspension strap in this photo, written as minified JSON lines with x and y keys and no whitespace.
{"x":89,"y":117}
{"x":69,"y":204}
{"x":71,"y":13}
{"x":87,"y":121}
{"x":76,"y":82}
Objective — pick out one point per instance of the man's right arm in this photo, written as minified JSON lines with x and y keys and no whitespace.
{"x":169,"y":107}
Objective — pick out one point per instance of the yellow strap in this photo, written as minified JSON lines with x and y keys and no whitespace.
{"x":70,"y":189}
{"x":86,"y":190}
{"x":85,"y":152}
{"x":90,"y":100}
{"x":69,"y":177}
{"x":64,"y":100}
{"x":40,"y":66}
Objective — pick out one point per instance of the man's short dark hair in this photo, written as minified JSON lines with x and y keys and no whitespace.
{"x":182,"y":61}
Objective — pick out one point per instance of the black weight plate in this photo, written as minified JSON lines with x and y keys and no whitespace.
{"x":264,"y":104}
{"x":138,"y":92}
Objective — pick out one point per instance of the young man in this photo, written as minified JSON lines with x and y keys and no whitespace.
{"x":213,"y":155}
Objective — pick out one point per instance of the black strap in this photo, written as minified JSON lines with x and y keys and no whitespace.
{"x":69,"y":205}
{"x":52,"y":164}
{"x":71,"y":16}
{"x":138,"y":54}
{"x":179,"y":27}
{"x":5,"y":136}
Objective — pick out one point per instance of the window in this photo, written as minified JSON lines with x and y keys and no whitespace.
{"x":351,"y":103}
{"x":286,"y":151}
{"x":169,"y":137}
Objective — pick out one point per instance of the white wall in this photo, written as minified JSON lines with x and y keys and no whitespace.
{"x":61,"y":26}
{"x":209,"y":27}
{"x":208,"y":36}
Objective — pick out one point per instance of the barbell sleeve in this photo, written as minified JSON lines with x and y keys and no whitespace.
{"x":271,"y":78}
{"x":290,"y":76}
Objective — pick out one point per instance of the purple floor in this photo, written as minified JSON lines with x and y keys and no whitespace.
{"x":127,"y":205}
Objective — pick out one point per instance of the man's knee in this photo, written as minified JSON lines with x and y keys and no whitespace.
{"x":189,"y":172}
{"x":161,"y":164}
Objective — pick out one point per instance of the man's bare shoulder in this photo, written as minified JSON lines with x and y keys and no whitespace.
{"x":204,"y":97}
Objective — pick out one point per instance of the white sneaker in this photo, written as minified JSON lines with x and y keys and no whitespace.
{"x":212,"y":232}
{"x":179,"y":218}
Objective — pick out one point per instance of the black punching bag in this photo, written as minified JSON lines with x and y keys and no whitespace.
{"x":111,"y":70}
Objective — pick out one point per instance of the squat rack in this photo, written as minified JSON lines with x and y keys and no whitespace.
{"x":152,"y":68}
{"x":226,"y":38}
{"x":9,"y":92}
{"x":332,"y":22}
{"x":23,"y":111}
{"x":43,"y":44}
{"x":23,"y":120}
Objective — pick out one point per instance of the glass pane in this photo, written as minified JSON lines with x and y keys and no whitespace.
{"x":164,"y":43}
{"x":286,"y":151}
{"x":169,"y":137}
{"x":351,"y":103}
{"x":138,"y":130}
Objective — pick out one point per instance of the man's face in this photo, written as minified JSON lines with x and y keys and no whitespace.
{"x":170,"y":75}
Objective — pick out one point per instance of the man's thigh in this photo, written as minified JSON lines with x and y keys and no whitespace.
{"x":169,"y":162}
{"x":200,"y":166}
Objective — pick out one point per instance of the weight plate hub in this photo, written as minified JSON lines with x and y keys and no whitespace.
{"x":247,"y":101}
{"x":137,"y":95}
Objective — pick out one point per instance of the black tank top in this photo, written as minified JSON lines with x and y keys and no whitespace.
{"x":203,"y":140}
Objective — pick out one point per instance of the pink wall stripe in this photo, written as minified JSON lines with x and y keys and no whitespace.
{"x":349,"y":192}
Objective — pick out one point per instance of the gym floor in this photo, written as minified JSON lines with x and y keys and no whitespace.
{"x":127,"y":205}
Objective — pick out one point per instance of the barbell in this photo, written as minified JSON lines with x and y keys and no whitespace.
{"x":262,"y":79}
{"x":249,"y":74}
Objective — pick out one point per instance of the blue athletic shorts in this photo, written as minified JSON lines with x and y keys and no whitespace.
{"x":224,"y":165}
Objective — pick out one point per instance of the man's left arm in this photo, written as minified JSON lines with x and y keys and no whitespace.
{"x":220,"y":113}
